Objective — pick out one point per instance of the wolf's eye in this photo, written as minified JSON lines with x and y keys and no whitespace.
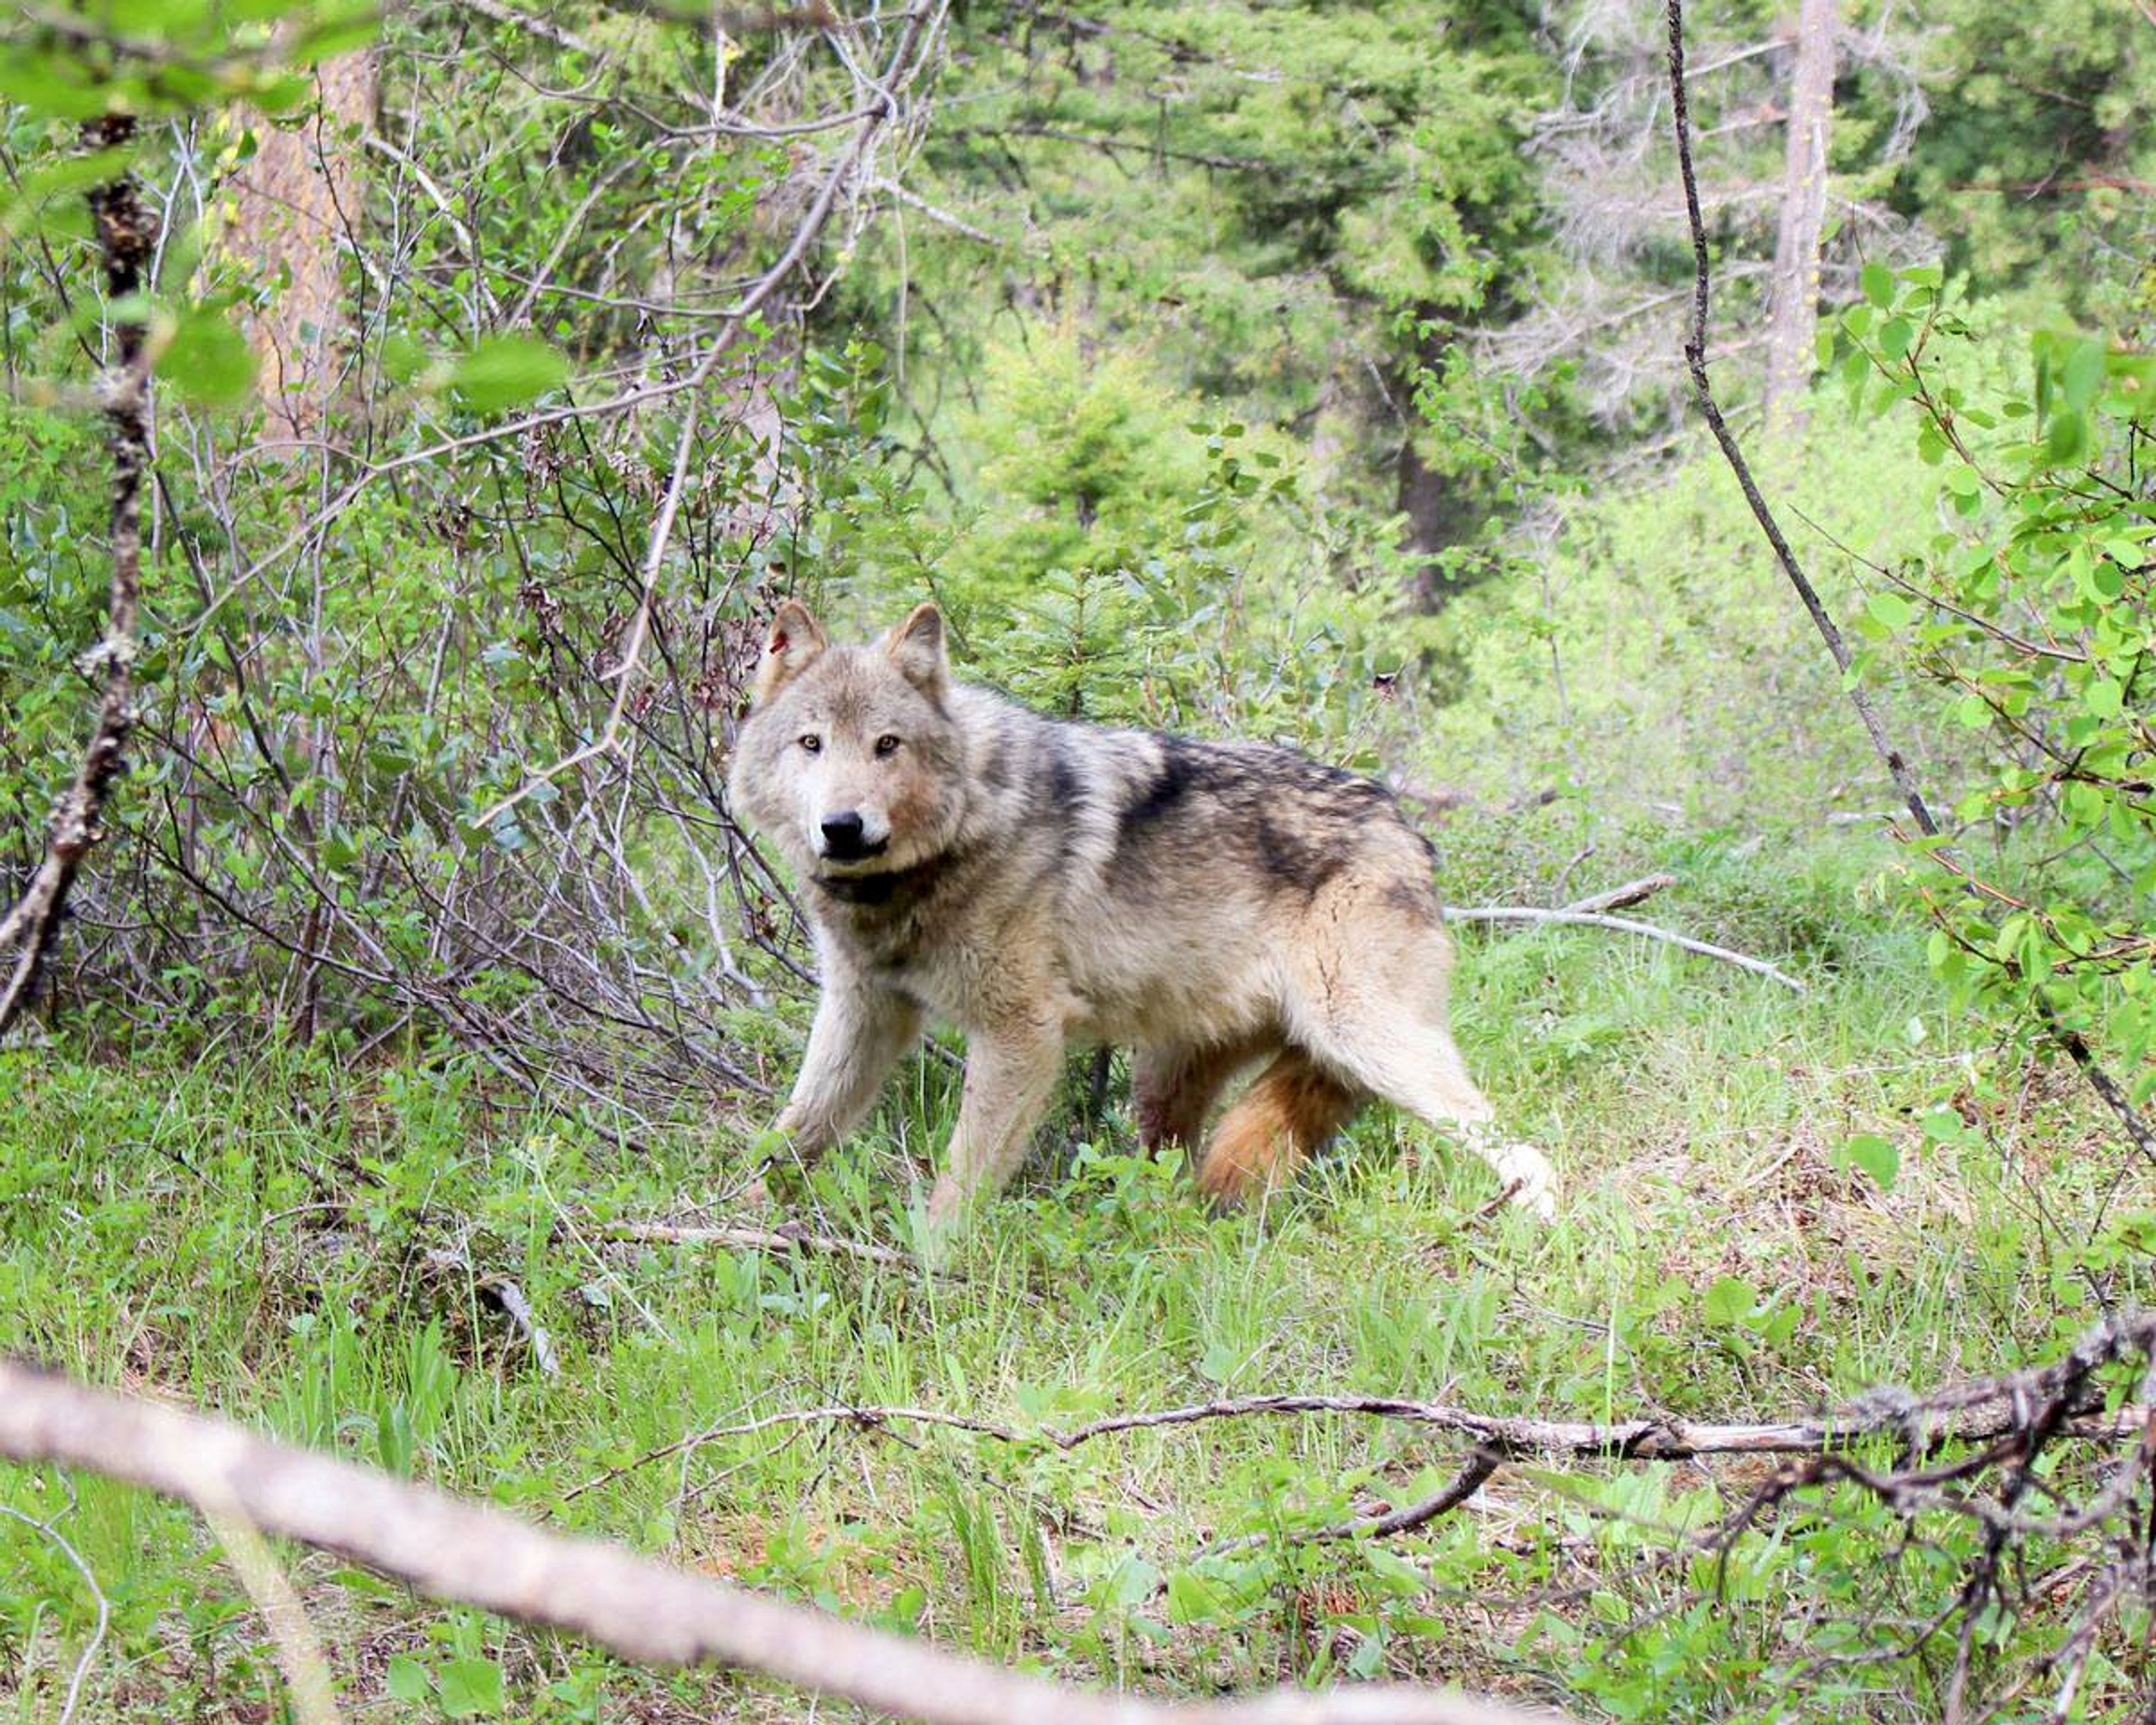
{"x":812,"y":743}
{"x":886,"y":744}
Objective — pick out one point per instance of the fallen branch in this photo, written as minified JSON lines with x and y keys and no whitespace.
{"x":758,"y":1239}
{"x":637,"y":1607}
{"x":1408,"y":1518}
{"x":1648,"y":1439}
{"x":1525,"y":913}
{"x":1973,"y":1411}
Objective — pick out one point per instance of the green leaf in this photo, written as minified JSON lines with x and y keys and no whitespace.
{"x":402,"y":358}
{"x":281,"y":94}
{"x":1855,"y":365}
{"x":505,"y":370}
{"x":1729,"y":1301}
{"x":1891,"y":609}
{"x":1190,"y":1598}
{"x":208,"y":360}
{"x":336,"y":30}
{"x":410,"y":1681}
{"x":472,"y":1688}
{"x":47,"y":82}
{"x":2105,"y":697}
{"x":2082,"y":375}
{"x":1879,"y":285}
{"x":63,"y":183}
{"x":1875,"y":1156}
{"x":1133,"y":1582}
{"x":2067,"y":440}
{"x":1400,"y":1578}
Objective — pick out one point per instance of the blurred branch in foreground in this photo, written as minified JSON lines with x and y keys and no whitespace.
{"x":639,"y":1609}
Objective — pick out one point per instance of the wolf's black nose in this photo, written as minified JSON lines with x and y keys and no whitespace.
{"x":842,"y":834}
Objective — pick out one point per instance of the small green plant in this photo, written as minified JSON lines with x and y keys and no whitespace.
{"x":2034,"y":606}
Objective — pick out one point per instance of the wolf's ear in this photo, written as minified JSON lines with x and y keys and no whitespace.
{"x":916,"y":647}
{"x":791,"y":646}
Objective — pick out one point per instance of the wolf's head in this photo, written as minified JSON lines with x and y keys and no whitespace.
{"x":849,"y":760}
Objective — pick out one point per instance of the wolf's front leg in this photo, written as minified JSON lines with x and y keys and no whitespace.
{"x":860,"y":1033}
{"x":1009,"y":1075}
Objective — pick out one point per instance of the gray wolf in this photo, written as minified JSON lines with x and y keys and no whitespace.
{"x":1210,"y":905}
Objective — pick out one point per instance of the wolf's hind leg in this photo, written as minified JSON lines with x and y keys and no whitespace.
{"x":1291,"y":1108}
{"x":1413,"y":1065}
{"x":1371,"y":1005}
{"x":1173,"y":1089}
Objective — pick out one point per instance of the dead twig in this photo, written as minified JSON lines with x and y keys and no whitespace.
{"x":1626,"y":925}
{"x":870,"y":1418}
{"x":758,"y":1239}
{"x":1408,"y":1518}
{"x":1616,"y":898}
{"x":88,"y":1657}
{"x":1978,"y":1410}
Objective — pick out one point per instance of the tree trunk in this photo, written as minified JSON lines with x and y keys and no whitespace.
{"x":297,"y":199}
{"x":1793,"y":293}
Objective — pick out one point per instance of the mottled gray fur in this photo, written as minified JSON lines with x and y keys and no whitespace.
{"x":1038,"y":884}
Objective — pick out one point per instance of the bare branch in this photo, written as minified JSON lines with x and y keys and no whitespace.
{"x":1974,"y":1411}
{"x":88,"y":1657}
{"x":545,"y":29}
{"x":1616,"y":898}
{"x":805,"y":234}
{"x":1643,"y":1439}
{"x":758,"y":1239}
{"x":127,"y":229}
{"x":300,"y":1656}
{"x":1625,"y":925}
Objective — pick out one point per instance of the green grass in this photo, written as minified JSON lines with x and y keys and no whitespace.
{"x":246,"y":1228}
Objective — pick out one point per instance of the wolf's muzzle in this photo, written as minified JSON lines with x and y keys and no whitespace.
{"x":845,"y":839}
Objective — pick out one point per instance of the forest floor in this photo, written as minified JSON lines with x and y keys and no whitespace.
{"x":306,"y":1248}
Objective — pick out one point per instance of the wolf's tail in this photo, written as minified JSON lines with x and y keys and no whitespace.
{"x":1292,"y":1109}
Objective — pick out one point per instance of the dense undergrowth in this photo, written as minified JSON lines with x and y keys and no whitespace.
{"x":231,"y":1222}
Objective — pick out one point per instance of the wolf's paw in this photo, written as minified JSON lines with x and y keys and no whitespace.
{"x":1530,"y":1182}
{"x":947,"y":1204}
{"x":1537,"y":1192}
